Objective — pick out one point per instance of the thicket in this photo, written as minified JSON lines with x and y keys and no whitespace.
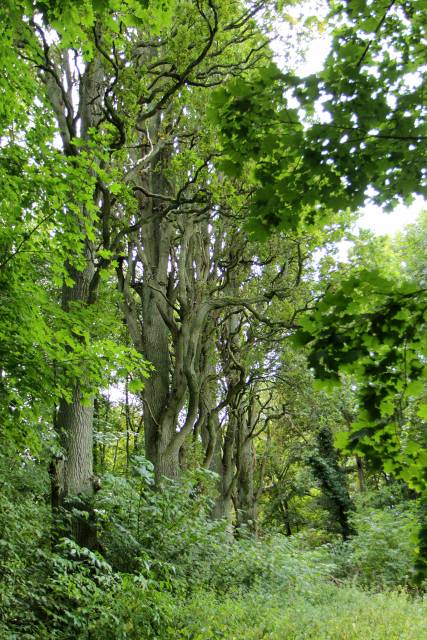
{"x":164,"y":569}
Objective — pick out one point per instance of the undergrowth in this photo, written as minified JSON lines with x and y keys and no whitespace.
{"x":165,"y":571}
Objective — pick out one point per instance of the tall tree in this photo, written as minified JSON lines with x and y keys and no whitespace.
{"x":169,"y":272}
{"x":62,"y":52}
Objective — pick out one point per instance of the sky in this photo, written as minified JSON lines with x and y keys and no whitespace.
{"x":381,"y":223}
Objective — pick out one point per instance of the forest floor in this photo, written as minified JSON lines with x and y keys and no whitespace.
{"x":329,"y":612}
{"x":181,"y":576}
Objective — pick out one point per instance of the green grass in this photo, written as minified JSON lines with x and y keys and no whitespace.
{"x":328,"y":613}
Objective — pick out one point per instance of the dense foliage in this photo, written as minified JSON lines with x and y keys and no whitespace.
{"x":168,"y":571}
{"x":170,"y":299}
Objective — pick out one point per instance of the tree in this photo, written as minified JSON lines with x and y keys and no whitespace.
{"x":373,"y":327}
{"x":332,"y":478}
{"x":67,"y":75}
{"x":170,"y":272}
{"x":350,"y":115}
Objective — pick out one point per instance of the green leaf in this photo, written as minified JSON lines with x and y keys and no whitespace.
{"x":135,"y":386}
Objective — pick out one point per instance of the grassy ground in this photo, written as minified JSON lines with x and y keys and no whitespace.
{"x":328,"y":613}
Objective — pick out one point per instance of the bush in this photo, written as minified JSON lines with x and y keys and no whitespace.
{"x":24,"y":529}
{"x":164,"y":535}
{"x":383,"y":552}
{"x":275,"y":562}
{"x":67,"y":592}
{"x":169,"y":572}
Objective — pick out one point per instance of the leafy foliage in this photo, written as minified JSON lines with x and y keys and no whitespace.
{"x":138,"y":190}
{"x":339,"y":147}
{"x":374,"y":329}
{"x":383,"y":552}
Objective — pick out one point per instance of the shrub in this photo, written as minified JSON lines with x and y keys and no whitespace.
{"x":164,"y":535}
{"x":24,"y":529}
{"x":383,"y":552}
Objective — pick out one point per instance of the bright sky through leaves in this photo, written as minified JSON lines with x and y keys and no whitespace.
{"x":372,"y":217}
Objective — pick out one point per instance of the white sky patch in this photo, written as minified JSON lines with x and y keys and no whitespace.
{"x":382,"y":223}
{"x":315,"y":56}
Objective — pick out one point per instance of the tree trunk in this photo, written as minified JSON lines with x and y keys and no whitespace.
{"x":360,"y":474}
{"x":168,"y":463}
{"x":75,"y":427}
{"x":156,"y":388}
{"x":246,"y":498}
{"x":75,"y":420}
{"x":285,"y":510}
{"x":224,"y":464}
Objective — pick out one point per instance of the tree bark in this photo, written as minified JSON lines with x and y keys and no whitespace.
{"x":224,"y":465}
{"x":360,"y":474}
{"x":246,"y":496}
{"x":75,"y":427}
